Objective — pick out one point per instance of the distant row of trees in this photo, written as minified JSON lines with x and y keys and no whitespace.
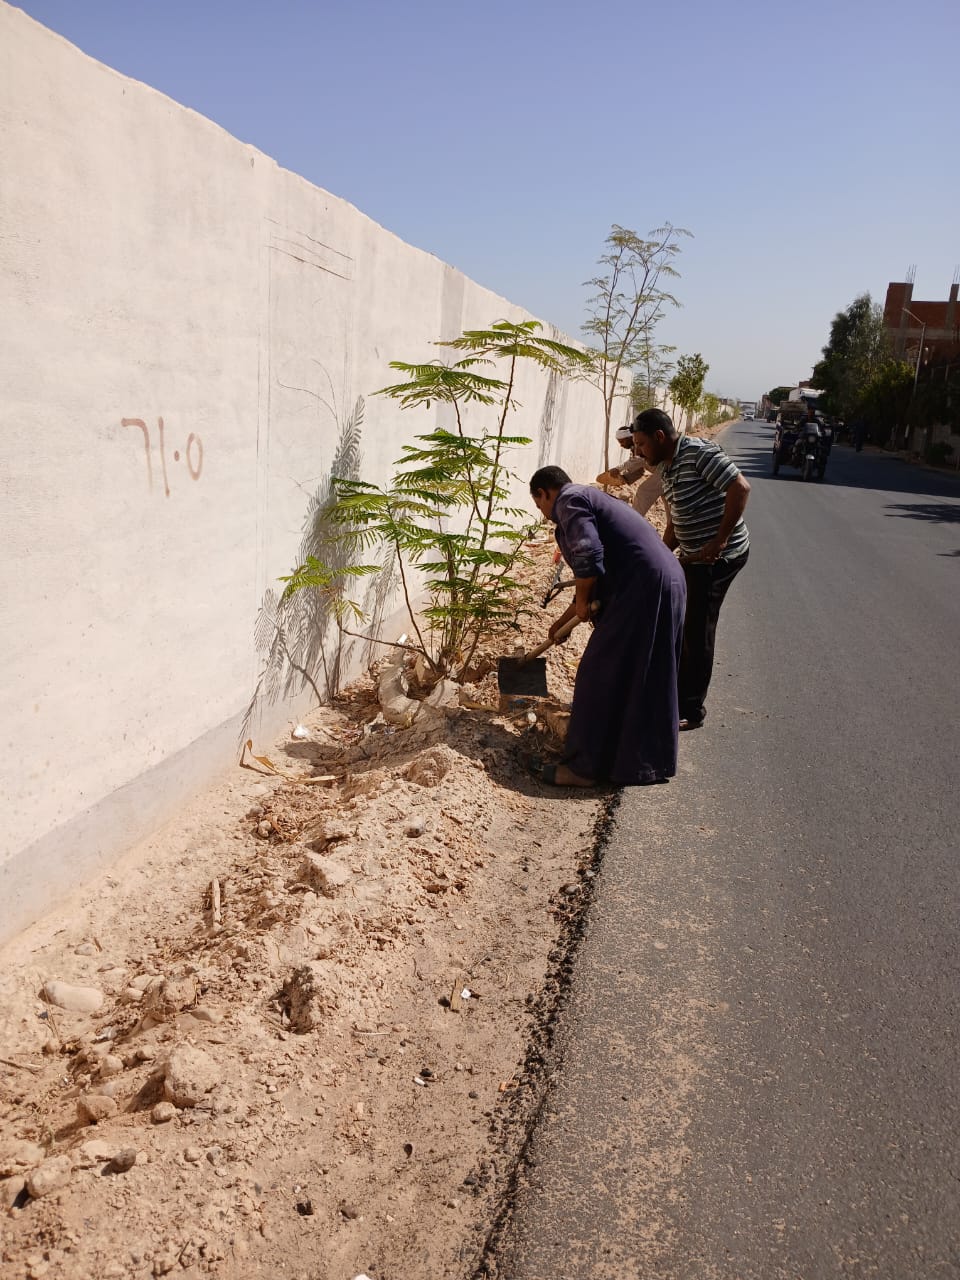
{"x":862,"y":377}
{"x":630,"y":298}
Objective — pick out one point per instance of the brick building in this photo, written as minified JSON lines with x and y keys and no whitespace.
{"x":908,"y":320}
{"x":927,"y":335}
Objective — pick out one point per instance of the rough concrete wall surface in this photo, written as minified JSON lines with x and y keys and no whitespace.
{"x":191,"y":336}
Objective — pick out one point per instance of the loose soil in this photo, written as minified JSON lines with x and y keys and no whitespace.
{"x":334,"y":1076}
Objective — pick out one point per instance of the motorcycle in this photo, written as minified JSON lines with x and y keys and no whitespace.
{"x":802,"y":444}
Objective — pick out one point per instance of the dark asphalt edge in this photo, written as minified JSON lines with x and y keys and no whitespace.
{"x":512,"y":1131}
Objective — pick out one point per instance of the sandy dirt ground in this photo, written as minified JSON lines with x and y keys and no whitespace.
{"x":311,"y":1015}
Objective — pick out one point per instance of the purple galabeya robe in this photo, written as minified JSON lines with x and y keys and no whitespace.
{"x":624,"y":722}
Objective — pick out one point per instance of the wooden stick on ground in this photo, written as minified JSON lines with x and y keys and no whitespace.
{"x":21,"y":1066}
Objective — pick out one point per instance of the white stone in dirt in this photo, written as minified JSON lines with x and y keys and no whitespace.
{"x":163,"y":1112}
{"x":16,"y":1155}
{"x":110,"y":1065}
{"x":189,"y":1075}
{"x":326,"y":875}
{"x":93,"y":1107}
{"x":74,"y":999}
{"x":49,"y":1176}
{"x":94,"y":1152}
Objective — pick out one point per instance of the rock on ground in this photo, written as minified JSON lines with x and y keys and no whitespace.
{"x":189,"y":1076}
{"x":49,"y":1176}
{"x":73,"y":999}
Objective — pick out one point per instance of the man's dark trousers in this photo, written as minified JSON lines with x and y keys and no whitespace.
{"x":707,"y":584}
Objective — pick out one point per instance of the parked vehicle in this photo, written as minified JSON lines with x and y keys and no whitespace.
{"x":801,"y":441}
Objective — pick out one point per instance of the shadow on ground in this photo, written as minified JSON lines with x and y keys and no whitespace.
{"x":933,"y":512}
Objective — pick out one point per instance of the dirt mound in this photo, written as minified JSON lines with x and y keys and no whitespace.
{"x":305,"y":1006}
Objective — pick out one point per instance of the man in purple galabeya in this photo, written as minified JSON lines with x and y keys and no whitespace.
{"x":624,"y":719}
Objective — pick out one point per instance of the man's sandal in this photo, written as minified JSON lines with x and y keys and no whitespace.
{"x":548,"y":773}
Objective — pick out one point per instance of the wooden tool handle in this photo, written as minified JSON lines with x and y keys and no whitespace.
{"x":561,"y":635}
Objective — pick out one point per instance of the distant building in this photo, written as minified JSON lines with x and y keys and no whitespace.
{"x":927,"y":336}
{"x":911,"y":322}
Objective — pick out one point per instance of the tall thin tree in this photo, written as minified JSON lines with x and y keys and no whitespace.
{"x":628,"y":301}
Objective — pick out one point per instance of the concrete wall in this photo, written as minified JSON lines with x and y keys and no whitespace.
{"x":190,"y":338}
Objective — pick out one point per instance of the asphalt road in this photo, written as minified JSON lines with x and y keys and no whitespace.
{"x":760,"y":1072}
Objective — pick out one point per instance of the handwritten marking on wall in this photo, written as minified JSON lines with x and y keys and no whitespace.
{"x":192,"y":454}
{"x":139,"y":422}
{"x":191,"y":440}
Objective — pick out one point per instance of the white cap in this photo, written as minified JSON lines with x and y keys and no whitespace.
{"x":625,"y":437}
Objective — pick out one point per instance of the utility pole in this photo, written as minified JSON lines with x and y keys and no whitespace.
{"x":916,"y":370}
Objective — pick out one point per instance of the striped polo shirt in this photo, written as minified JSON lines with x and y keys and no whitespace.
{"x":695,"y":482}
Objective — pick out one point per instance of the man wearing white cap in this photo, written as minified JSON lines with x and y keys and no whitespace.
{"x":650,"y":489}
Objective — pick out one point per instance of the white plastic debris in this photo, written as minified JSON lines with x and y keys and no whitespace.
{"x":466,"y":994}
{"x":420,"y":1081}
{"x":395,"y":706}
{"x":301,"y":733}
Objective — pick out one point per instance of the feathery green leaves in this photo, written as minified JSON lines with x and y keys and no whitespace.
{"x":445,"y":513}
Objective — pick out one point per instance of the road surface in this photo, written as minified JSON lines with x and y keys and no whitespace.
{"x":760,"y":1073}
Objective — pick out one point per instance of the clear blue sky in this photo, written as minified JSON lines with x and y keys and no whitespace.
{"x":811,"y":147}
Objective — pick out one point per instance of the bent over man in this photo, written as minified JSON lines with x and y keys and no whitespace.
{"x":650,"y":487}
{"x":623,"y":723}
{"x":705,"y":496}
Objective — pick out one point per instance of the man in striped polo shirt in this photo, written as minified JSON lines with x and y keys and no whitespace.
{"x":650,"y":487}
{"x":705,"y":496}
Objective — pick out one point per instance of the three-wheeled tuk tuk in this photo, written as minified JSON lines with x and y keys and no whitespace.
{"x":801,"y":441}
